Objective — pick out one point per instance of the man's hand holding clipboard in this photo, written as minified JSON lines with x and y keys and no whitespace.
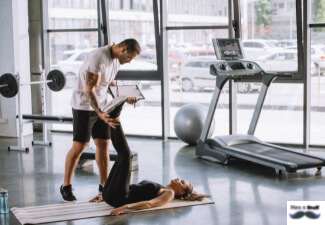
{"x":121,"y":94}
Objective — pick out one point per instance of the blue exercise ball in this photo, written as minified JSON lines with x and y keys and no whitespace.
{"x":189,"y":121}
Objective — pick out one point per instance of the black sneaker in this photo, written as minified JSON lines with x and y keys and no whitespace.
{"x":100,"y":189}
{"x":67,"y":194}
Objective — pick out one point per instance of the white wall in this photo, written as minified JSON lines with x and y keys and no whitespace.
{"x":14,"y":57}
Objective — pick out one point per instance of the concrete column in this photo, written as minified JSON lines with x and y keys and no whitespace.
{"x":35,"y":43}
{"x":14,"y":57}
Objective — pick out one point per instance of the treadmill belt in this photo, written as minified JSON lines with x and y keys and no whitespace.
{"x":302,"y":161}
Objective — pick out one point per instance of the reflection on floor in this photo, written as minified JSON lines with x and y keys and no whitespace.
{"x":244,"y":193}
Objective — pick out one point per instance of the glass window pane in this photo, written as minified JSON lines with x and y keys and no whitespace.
{"x":269,"y":28}
{"x":281,"y":118}
{"x":145,"y":118}
{"x":68,"y":49}
{"x":133,"y":119}
{"x":72,"y":14}
{"x":317,"y":11}
{"x":189,"y":13}
{"x":134,"y":21}
{"x":190,"y":55}
{"x":317,"y":123}
{"x":66,"y":54}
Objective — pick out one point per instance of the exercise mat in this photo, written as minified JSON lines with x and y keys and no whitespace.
{"x":82,"y":210}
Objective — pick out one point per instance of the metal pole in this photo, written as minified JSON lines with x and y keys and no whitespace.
{"x":306,"y":69}
{"x":44,"y":125}
{"x":43,"y":105}
{"x":20,"y":129}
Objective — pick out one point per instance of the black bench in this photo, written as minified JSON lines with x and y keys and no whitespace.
{"x":39,"y":118}
{"x":88,"y":153}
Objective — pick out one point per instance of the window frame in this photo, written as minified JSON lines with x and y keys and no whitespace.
{"x":304,"y":27}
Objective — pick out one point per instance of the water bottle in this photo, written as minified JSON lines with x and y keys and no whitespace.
{"x":4,"y":200}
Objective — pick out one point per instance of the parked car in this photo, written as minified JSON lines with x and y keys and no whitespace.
{"x":136,"y":64}
{"x":285,"y":60}
{"x":194,"y":74}
{"x":258,"y":47}
{"x":70,"y":64}
{"x":58,"y":49}
{"x":317,"y":55}
{"x":72,"y":60}
{"x":287,"y":43}
{"x":175,"y":58}
{"x":148,"y":56}
{"x":200,"y":52}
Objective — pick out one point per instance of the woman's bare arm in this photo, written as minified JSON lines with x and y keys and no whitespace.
{"x":166,"y":196}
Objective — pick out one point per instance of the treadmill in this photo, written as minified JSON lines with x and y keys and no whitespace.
{"x":231,"y":66}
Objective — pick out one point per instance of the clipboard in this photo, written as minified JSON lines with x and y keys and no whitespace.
{"x":126,"y":90}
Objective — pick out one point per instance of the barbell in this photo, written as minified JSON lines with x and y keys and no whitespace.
{"x":9,"y":83}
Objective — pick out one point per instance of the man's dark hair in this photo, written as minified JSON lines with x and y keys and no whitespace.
{"x":131,"y":45}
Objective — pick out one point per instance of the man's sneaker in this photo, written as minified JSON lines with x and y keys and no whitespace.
{"x":67,"y":194}
{"x":100,"y":189}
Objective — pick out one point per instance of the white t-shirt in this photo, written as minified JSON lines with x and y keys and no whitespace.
{"x":98,"y":62}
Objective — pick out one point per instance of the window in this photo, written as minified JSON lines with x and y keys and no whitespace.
{"x":121,"y":4}
{"x":248,"y":44}
{"x":291,"y":56}
{"x":81,"y":57}
{"x":68,"y":49}
{"x":317,"y":123}
{"x":142,"y":30}
{"x":65,"y":15}
{"x":317,"y":11}
{"x":185,"y":13}
{"x":190,"y":78}
{"x":139,"y":24}
{"x":258,"y":45}
{"x":275,"y":39}
{"x":145,"y":117}
{"x":281,"y":117}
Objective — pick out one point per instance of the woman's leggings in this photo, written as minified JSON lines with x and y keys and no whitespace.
{"x":116,"y":188}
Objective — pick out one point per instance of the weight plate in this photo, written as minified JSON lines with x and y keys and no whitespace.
{"x":58,"y":78}
{"x":13,"y":85}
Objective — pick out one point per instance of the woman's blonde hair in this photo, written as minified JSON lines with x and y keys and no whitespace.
{"x":191,"y":195}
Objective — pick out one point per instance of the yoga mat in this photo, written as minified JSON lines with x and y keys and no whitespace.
{"x":82,"y":210}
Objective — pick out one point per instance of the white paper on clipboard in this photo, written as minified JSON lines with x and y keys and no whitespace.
{"x":126,"y":90}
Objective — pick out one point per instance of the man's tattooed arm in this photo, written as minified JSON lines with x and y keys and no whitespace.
{"x":91,"y":84}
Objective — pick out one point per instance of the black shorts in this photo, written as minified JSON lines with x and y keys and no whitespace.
{"x":86,"y":123}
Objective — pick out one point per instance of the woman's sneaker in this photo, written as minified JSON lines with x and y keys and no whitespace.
{"x":67,"y":193}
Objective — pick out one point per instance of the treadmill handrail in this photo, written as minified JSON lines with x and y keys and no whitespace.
{"x":221,"y":81}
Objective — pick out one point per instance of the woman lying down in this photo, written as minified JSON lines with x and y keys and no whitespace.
{"x":119,"y":193}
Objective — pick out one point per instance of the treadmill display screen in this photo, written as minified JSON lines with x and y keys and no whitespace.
{"x":228,"y":48}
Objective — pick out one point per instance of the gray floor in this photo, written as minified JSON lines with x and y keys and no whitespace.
{"x":244,"y":193}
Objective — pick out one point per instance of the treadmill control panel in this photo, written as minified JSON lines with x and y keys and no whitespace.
{"x":228,"y":49}
{"x":235,"y":68}
{"x":230,"y":54}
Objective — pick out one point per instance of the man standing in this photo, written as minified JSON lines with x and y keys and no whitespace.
{"x":96,"y":74}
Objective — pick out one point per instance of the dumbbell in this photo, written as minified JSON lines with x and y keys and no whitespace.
{"x":9,"y":83}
